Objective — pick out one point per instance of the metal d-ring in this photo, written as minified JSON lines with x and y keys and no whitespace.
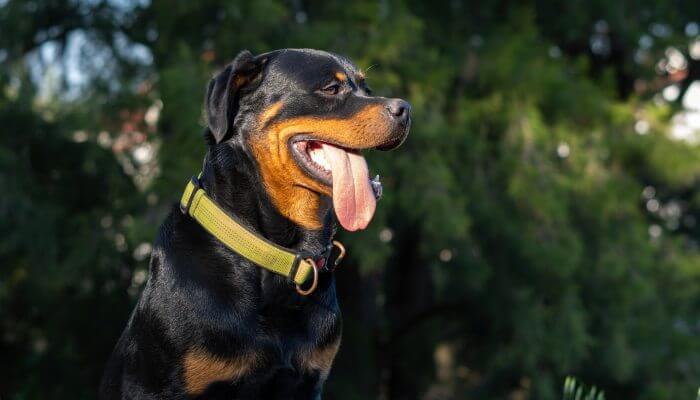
{"x":314,"y":283}
{"x":340,"y":257}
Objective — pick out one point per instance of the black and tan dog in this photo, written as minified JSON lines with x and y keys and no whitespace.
{"x":285,"y":131}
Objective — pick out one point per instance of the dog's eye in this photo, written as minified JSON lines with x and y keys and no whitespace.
{"x":333,"y":89}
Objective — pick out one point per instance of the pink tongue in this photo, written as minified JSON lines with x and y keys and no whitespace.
{"x":353,"y":198}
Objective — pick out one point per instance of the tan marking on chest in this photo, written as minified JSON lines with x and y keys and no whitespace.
{"x":200,"y":369}
{"x":319,"y":359}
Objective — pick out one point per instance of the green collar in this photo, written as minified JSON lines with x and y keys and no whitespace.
{"x":297,"y":266}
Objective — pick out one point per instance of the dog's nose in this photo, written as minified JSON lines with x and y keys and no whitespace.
{"x":399,"y":109}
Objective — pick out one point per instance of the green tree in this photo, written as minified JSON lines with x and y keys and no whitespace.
{"x":538,"y":223}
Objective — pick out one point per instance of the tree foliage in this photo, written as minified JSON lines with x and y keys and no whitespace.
{"x":539,"y":222}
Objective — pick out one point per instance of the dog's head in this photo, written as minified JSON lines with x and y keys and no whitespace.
{"x":305,"y":116}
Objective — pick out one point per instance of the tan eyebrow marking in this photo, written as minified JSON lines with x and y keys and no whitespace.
{"x":341,"y":76}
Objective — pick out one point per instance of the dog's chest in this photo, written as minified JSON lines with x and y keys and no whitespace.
{"x":288,"y":349}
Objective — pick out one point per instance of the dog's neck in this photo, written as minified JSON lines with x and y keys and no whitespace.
{"x":230,"y":176}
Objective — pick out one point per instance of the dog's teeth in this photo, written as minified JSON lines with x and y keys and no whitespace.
{"x":319,"y":158}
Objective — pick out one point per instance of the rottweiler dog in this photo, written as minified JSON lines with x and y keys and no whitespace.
{"x":285,"y":134}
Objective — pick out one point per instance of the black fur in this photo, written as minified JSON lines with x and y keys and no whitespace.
{"x":202,"y":295}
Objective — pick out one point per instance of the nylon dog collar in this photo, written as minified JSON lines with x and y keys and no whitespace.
{"x":297,"y":266}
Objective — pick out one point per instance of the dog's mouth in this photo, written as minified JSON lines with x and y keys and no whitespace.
{"x":346,"y":172}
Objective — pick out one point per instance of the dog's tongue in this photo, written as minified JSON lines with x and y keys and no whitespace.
{"x":353,"y":198}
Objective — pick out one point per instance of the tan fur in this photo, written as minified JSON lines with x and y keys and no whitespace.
{"x":341,"y":76}
{"x":293,"y":192}
{"x":319,"y":359}
{"x":270,"y":113}
{"x":200,"y":369}
{"x":240,"y":80}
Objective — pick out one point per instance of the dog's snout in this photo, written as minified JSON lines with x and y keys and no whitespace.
{"x":400,"y":112}
{"x":398,"y":108}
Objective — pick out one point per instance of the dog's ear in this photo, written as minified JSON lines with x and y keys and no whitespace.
{"x":224,"y":91}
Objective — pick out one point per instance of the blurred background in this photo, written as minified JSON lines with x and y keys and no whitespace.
{"x":541,"y":221}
